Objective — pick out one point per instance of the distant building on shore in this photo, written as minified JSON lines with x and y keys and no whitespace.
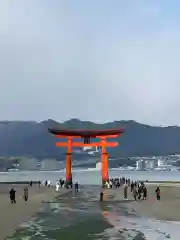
{"x":91,"y":150}
{"x":49,"y":165}
{"x":162,"y":162}
{"x":140,"y":165}
{"x":28,"y":164}
{"x":150,"y":164}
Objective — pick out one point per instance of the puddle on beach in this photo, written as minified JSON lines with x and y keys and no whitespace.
{"x":83,"y":217}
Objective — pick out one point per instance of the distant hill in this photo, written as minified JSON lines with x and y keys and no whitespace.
{"x":32,"y":138}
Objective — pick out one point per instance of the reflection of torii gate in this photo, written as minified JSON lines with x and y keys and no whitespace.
{"x":86,"y":135}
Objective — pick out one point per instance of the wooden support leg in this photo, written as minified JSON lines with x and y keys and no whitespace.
{"x":69,"y":168}
{"x":105,"y":175}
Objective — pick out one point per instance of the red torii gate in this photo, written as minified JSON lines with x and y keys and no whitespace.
{"x":86,"y":135}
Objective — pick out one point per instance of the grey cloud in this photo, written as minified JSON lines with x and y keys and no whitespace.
{"x":98,"y":62}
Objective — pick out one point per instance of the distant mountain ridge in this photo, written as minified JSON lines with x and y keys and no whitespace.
{"x":18,"y":138}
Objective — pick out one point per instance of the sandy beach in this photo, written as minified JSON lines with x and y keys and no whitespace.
{"x":168,"y":208}
{"x":83,"y":217}
{"x":14,"y":214}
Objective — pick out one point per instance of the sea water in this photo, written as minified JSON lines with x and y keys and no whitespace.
{"x":82,"y":217}
{"x":89,"y":176}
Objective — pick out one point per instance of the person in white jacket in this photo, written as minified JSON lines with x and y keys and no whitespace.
{"x":48,"y":183}
{"x":57,"y":186}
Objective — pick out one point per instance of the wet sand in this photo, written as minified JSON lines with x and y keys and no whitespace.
{"x":168,"y":208}
{"x":82,"y":216}
{"x":14,"y":214}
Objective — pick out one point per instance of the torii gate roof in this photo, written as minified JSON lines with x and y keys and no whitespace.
{"x":86,"y":133}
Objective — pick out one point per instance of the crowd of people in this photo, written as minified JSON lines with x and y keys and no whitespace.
{"x":63,"y":184}
{"x":138,"y":188}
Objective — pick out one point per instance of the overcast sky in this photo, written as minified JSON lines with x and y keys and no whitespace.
{"x":95,"y":60}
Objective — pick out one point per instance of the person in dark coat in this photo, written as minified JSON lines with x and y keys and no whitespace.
{"x":135,"y":193}
{"x":158,"y":193}
{"x":39,"y":184}
{"x":139,"y":192}
{"x":132,"y":186}
{"x":101,"y":196}
{"x":144,"y":193}
{"x":76,"y":186}
{"x":12,"y":195}
{"x":30,"y":184}
{"x":125,"y":191}
{"x":46,"y":183}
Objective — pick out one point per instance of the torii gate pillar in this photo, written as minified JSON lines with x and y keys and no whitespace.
{"x":69,"y":162}
{"x":104,"y":162}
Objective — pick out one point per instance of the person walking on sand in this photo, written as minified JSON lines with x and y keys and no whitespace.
{"x":158,"y":193}
{"x":76,"y":186}
{"x":39,"y":183}
{"x":144,"y":193}
{"x":12,"y":195}
{"x":25,"y":194}
{"x":139,"y":192}
{"x":125,"y":191}
{"x":132,"y":186}
{"x":101,"y":196}
{"x":57,"y":186}
{"x":30,"y":184}
{"x":135,"y":193}
{"x":48,"y":183}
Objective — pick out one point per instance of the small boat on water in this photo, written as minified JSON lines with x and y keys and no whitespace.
{"x":162,"y":169}
{"x":13,"y":170}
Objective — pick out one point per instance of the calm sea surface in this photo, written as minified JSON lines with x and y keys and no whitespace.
{"x":81,"y":216}
{"x":89,"y":176}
